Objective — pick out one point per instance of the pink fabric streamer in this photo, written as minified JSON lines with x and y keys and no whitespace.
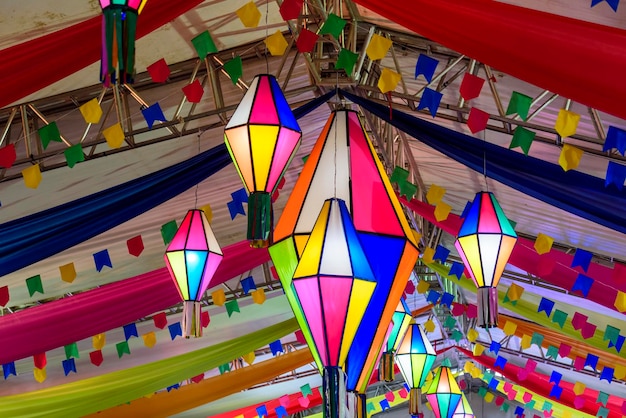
{"x":114,"y":305}
{"x":553,"y":267}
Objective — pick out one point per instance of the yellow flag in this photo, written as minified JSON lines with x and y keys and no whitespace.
{"x":509,"y":328}
{"x":579,"y":388}
{"x":566,"y":414}
{"x":208,"y":212}
{"x":258,"y":296}
{"x":68,"y":272}
{"x":149,"y":339}
{"x":489,"y":397}
{"x":276,"y":43}
{"x":478,"y":349}
{"x":378,"y":47}
{"x":98,"y":341}
{"x":472,"y":335}
{"x":114,"y":135}
{"x":422,"y":286}
{"x":570,"y":157}
{"x":515,"y":292}
{"x":525,"y":344}
{"x":476,"y":373}
{"x":388,"y":80}
{"x":619,"y":372}
{"x":249,"y":15}
{"x":427,"y":255}
{"x":566,"y":123}
{"x":442,"y":210}
{"x":249,"y":358}
{"x":468,"y":366}
{"x":91,"y":111}
{"x":40,"y":374}
{"x":32,"y":176}
{"x":218,"y":297}
{"x":435,"y":194}
{"x":620,"y":301}
{"x":429,"y":326}
{"x":543,"y":243}
{"x":416,"y":235}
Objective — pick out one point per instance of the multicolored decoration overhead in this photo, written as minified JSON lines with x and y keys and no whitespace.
{"x":333,"y":283}
{"x":464,"y":409}
{"x":262,"y":137}
{"x":399,"y":325}
{"x":485,"y":242}
{"x":192,"y":258}
{"x":344,"y":157}
{"x":119,"y":25}
{"x":415,"y":358}
{"x":444,"y":394}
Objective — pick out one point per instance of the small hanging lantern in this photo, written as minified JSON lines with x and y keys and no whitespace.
{"x":415,"y":357}
{"x":192,"y":258}
{"x":444,"y":394}
{"x":400,"y":324}
{"x":262,"y":137}
{"x":464,"y":409}
{"x":333,"y":283}
{"x":119,"y":24}
{"x":485,"y":243}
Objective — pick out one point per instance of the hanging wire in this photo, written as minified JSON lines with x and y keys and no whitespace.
{"x":195,"y":205}
{"x":267,"y":12}
{"x":485,"y":159}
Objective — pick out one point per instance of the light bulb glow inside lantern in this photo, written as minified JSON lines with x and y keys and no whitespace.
{"x":415,"y":357}
{"x":262,"y":137}
{"x":485,"y":243}
{"x":192,"y":257}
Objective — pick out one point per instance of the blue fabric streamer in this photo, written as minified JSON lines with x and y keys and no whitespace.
{"x":573,"y":191}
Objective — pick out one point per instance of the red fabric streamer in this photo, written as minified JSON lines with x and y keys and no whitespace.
{"x":603,"y":291}
{"x":69,"y":50}
{"x":583,"y":61}
{"x":114,"y":305}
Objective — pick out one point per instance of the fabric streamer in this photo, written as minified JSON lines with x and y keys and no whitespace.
{"x":531,"y":45}
{"x":101,"y":392}
{"x":107,"y":307}
{"x":43,"y":234}
{"x":573,"y":191}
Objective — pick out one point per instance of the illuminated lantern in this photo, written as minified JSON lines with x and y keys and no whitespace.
{"x":399,"y":324}
{"x":192,"y":258}
{"x":415,"y":357}
{"x":262,"y":137}
{"x":119,"y":24}
{"x":444,"y":394}
{"x":463,"y":410}
{"x":344,"y":164}
{"x":485,"y":242}
{"x":333,"y":283}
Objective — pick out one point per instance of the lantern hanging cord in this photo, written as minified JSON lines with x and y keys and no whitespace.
{"x":195,"y":205}
{"x":267,"y":12}
{"x":485,"y":159}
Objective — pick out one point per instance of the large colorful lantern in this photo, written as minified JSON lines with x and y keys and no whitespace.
{"x":333,"y":283}
{"x":262,"y":137}
{"x":344,"y":164}
{"x":192,"y":258}
{"x":399,"y":325}
{"x":415,"y":357}
{"x":119,"y":24}
{"x":444,"y":394}
{"x":485,"y":243}
{"x":463,"y":410}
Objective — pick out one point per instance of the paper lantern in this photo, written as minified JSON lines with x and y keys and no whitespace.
{"x":485,"y":242}
{"x":192,"y":258}
{"x":399,"y":325}
{"x":415,"y":357}
{"x":344,"y":164}
{"x":333,"y":283}
{"x":262,"y":137}
{"x":119,"y":24}
{"x":444,"y":394}
{"x":464,"y":409}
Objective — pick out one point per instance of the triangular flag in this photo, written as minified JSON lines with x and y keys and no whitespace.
{"x":426,"y":66}
{"x":159,"y":71}
{"x":566,"y":123}
{"x":543,"y":243}
{"x":71,"y":350}
{"x":122,"y":348}
{"x":48,"y":133}
{"x":616,"y":175}
{"x":114,"y":135}
{"x":149,"y":339}
{"x":193,"y":91}
{"x":204,"y":45}
{"x":32,"y":176}
{"x":582,"y":259}
{"x":4,"y":295}
{"x":219,"y":297}
{"x":442,"y":211}
{"x":7,"y":156}
{"x":388,"y":80}
{"x":68,"y":272}
{"x":175,"y":330}
{"x":96,"y":358}
{"x":168,"y":230}
{"x":346,"y":61}
{"x":8,"y":369}
{"x":33,"y":284}
{"x":249,"y":358}
{"x":615,"y":138}
{"x":570,"y":157}
{"x":522,"y":138}
{"x":477,"y":120}
{"x":249,"y":15}
{"x":290,"y":9}
{"x":152,"y":114}
{"x":91,"y":111}
{"x":471,"y":86}
{"x":232,"y":306}
{"x":248,"y":284}
{"x":40,"y":360}
{"x":74,"y":154}
{"x":69,"y":365}
{"x":520,"y":104}
{"x":333,"y":26}
{"x":130,"y":330}
{"x":378,"y":47}
{"x":435,"y":194}
{"x":160,"y":320}
{"x":276,"y":347}
{"x":102,"y":259}
{"x":276,"y":43}
{"x":430,"y":100}
{"x":98,"y":341}
{"x":39,"y":374}
{"x":234,"y":68}
{"x":306,"y":40}
{"x":135,"y":245}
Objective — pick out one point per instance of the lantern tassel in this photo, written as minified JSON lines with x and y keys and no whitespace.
{"x":259,"y":219}
{"x":414,"y":402}
{"x":385,"y":369}
{"x":334,"y":389}
{"x":487,"y":307}
{"x":191,"y":323}
{"x":119,"y":28}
